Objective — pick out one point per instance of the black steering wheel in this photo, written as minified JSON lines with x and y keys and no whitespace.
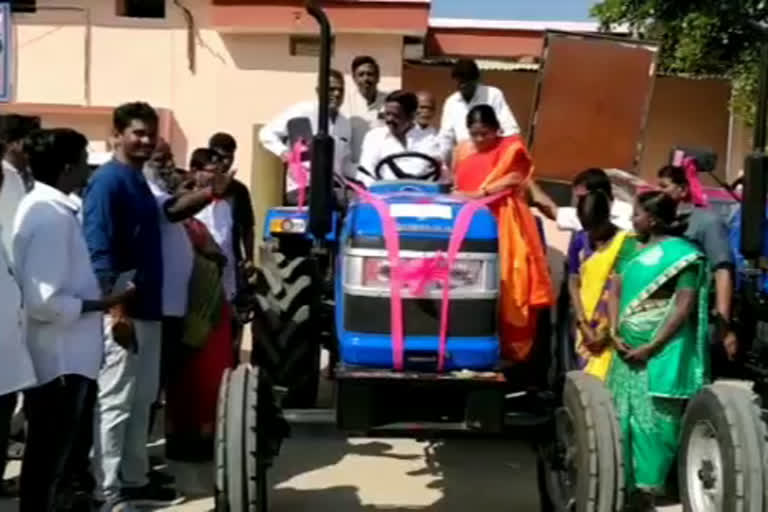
{"x":433,"y":173}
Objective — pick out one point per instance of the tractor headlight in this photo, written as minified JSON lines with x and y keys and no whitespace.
{"x":288,"y":225}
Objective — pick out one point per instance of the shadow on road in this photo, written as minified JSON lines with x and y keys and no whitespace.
{"x":454,"y":475}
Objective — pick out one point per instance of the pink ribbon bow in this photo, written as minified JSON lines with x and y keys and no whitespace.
{"x":298,"y":170}
{"x":417,"y":275}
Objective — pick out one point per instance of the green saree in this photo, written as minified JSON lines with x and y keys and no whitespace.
{"x":650,"y":398}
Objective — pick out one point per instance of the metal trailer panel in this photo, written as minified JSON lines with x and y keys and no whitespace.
{"x":591,"y":103}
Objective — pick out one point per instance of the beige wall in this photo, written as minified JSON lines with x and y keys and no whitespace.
{"x":241,"y":80}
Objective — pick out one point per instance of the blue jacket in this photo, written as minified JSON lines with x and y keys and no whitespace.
{"x":122,"y":230}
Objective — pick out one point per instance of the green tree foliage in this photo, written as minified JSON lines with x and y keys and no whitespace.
{"x":698,"y":37}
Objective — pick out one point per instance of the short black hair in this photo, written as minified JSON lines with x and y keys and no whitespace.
{"x":407,"y":100}
{"x":338,"y":75}
{"x":16,"y":127}
{"x":127,"y":112}
{"x":594,"y":179}
{"x":465,"y":70}
{"x":223,"y":141}
{"x":362,"y":60}
{"x":674,"y":174}
{"x":50,"y":151}
{"x":202,"y":157}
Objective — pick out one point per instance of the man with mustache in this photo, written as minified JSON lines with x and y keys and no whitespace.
{"x":365,"y":107}
{"x":401,"y":134}
{"x":300,"y":122}
{"x":469,"y":93}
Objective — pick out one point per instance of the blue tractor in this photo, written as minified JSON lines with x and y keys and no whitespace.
{"x":324,"y":280}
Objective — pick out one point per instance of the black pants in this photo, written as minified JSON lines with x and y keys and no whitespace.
{"x":78,"y":476}
{"x":55,"y":414}
{"x":7,"y":406}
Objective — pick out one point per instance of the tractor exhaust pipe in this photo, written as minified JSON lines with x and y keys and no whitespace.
{"x":321,"y":183}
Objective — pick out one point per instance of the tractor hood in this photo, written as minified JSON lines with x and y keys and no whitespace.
{"x":425,"y":222}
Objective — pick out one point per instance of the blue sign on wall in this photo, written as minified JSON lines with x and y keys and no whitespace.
{"x":5,"y":53}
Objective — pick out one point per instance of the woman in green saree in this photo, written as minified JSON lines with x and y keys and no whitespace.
{"x":659,"y":317}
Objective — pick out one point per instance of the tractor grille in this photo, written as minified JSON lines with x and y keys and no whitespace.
{"x":421,"y":317}
{"x":425,"y":244}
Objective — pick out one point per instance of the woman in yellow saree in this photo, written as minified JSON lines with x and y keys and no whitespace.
{"x":590,"y":278}
{"x":484,"y":166}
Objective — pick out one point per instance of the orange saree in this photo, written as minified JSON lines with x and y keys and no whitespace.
{"x":525,"y":281}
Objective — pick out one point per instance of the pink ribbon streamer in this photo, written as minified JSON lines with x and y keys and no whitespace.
{"x":418,"y":276}
{"x":298,"y":170}
{"x":698,"y":197}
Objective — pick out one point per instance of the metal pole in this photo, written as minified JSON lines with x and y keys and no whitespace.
{"x":325,"y":64}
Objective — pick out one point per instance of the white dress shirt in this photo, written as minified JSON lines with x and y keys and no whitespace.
{"x":178,"y":258}
{"x":363,"y":117}
{"x":217,"y":217}
{"x":11,"y":192}
{"x":16,"y":370}
{"x":274,"y":135}
{"x":380,"y":143}
{"x":453,"y":127}
{"x":54,"y":269}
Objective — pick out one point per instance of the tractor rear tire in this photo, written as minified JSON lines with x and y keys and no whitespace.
{"x":723,"y":452}
{"x":221,"y":498}
{"x":240,"y":464}
{"x":285,"y":343}
{"x":584,"y":470}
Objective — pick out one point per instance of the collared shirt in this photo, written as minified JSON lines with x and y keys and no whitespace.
{"x":217,"y":217}
{"x":709,"y":232}
{"x":363,"y":117}
{"x":453,"y":127}
{"x":275,"y":137}
{"x":380,"y":143}
{"x":16,"y":370}
{"x":11,"y":192}
{"x":178,"y":258}
{"x":56,"y":276}
{"x":122,"y":229}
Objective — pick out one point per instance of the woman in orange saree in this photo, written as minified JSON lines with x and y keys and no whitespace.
{"x":486,"y":165}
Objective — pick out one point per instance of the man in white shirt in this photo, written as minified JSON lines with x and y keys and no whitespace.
{"x":365,"y":107}
{"x":64,"y":309}
{"x":16,"y":370}
{"x":453,"y":127}
{"x":425,"y":115}
{"x":401,"y":134}
{"x":300,"y":122}
{"x":13,"y":129}
{"x":176,"y":205}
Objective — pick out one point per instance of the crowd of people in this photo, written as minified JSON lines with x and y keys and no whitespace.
{"x":120,"y":286}
{"x":113,"y":300}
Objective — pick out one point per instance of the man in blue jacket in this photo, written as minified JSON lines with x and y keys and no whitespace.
{"x":122,"y":230}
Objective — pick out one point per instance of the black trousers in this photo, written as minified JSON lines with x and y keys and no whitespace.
{"x":78,"y":476}
{"x":7,"y":406}
{"x":55,"y":413}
